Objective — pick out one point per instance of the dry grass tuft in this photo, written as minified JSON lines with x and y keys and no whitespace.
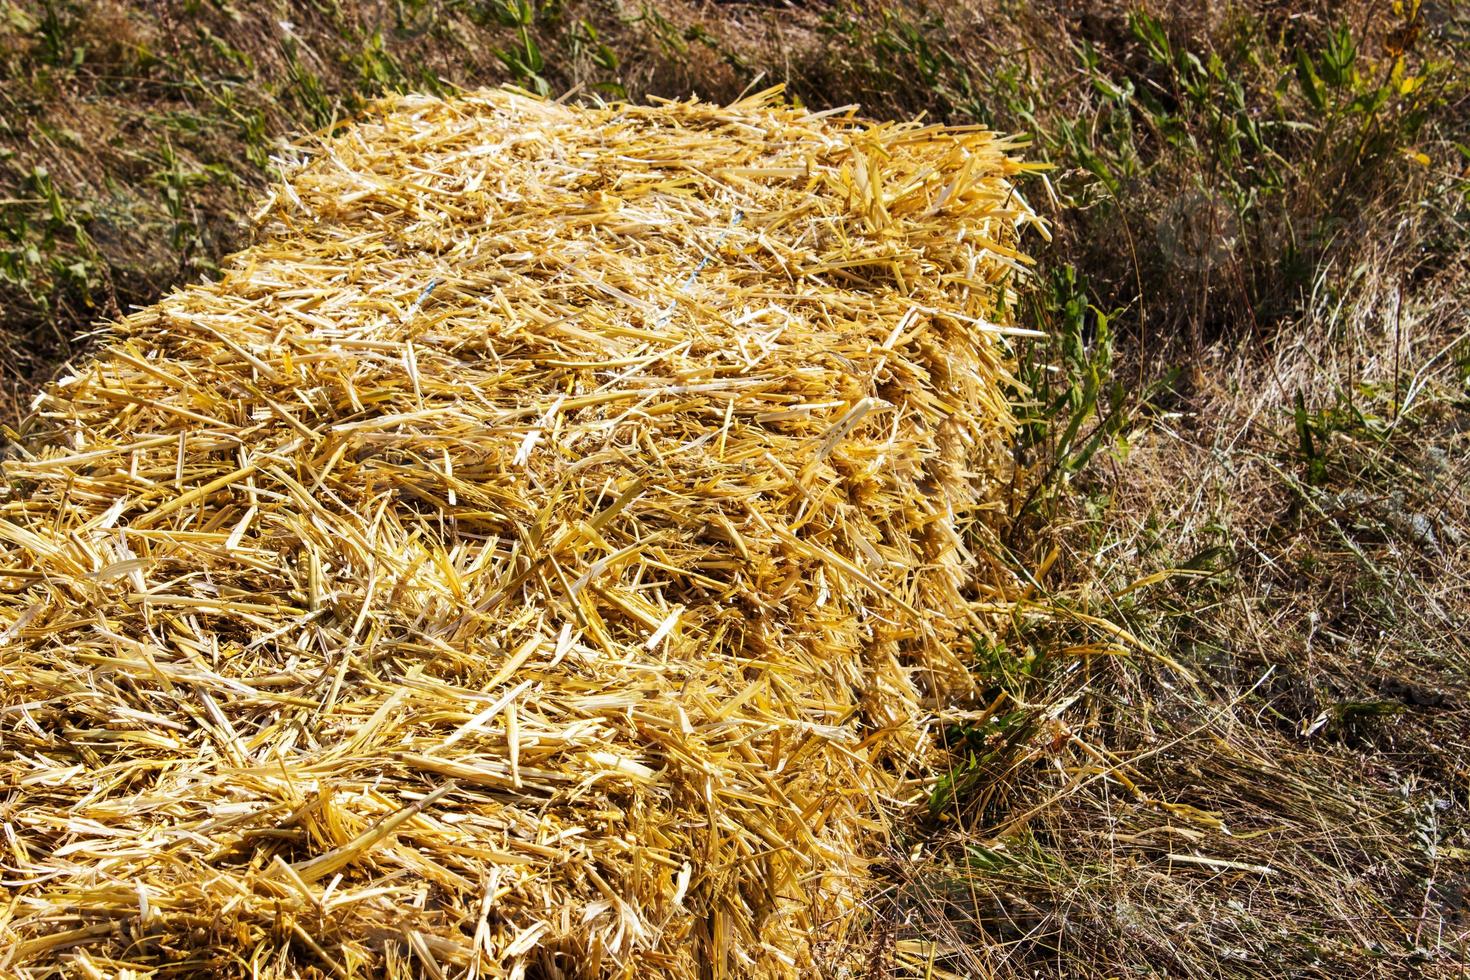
{"x":1288,"y":796}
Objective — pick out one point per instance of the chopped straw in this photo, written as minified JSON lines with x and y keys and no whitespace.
{"x":541,"y":554}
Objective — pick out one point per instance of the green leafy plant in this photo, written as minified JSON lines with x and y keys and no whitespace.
{"x":1074,"y":404}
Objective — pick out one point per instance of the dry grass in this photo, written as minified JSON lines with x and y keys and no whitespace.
{"x":542,"y":553}
{"x":1286,"y":794}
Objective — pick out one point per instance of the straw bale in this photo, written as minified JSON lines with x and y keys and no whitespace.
{"x":542,"y":553}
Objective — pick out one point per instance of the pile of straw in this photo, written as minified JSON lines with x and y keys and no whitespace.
{"x":541,"y":554}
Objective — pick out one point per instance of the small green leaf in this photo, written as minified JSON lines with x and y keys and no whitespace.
{"x":1311,"y":84}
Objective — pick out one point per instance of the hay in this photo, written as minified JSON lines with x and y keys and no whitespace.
{"x":541,"y":553}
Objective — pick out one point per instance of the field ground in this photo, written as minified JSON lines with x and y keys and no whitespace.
{"x":1234,"y":737}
